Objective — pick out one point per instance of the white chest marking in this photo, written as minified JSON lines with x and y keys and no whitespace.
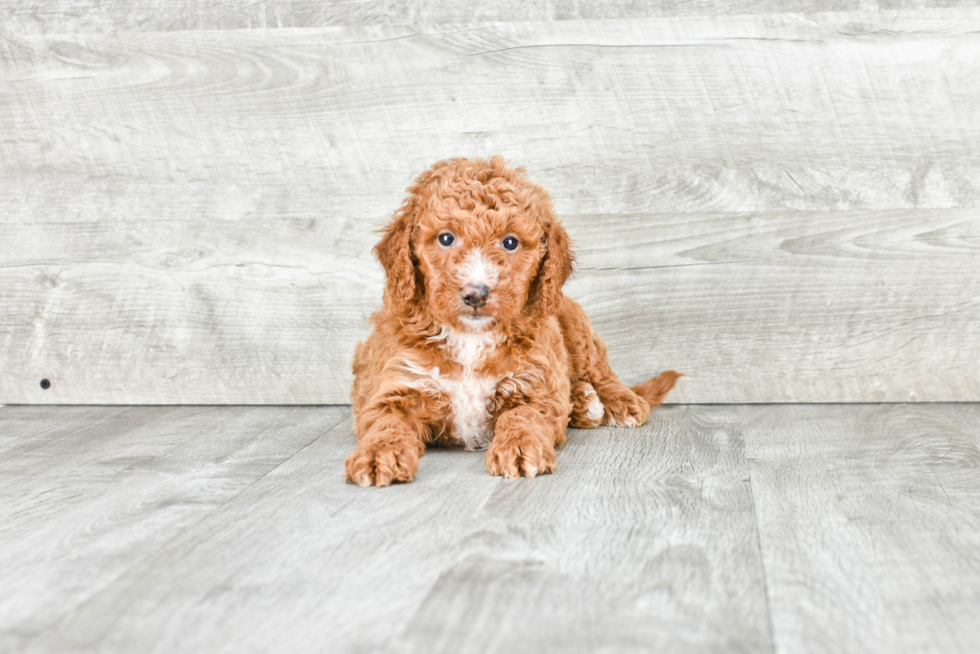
{"x":468,"y":391}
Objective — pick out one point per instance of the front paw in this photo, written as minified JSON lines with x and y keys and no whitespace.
{"x":513,"y":454}
{"x":623,"y":407}
{"x":381,"y":461}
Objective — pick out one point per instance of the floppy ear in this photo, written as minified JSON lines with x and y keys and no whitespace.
{"x":394,"y":251}
{"x":555,"y":268}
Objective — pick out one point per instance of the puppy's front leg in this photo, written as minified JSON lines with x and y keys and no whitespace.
{"x":524,"y":442}
{"x":391,"y":434}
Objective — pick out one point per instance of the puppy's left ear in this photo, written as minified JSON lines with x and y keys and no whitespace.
{"x":555,"y":268}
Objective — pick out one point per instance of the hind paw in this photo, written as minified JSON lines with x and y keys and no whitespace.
{"x":623,"y":407}
{"x":587,"y":408}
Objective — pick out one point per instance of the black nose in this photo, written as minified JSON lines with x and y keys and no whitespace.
{"x":475,"y":295}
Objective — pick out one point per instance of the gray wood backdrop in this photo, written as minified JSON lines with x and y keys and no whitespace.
{"x":777,"y":199}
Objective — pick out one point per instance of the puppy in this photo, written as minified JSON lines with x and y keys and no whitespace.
{"x":475,"y":345}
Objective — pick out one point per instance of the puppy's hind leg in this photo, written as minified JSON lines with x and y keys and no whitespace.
{"x":587,"y":408}
{"x":589,"y":363}
{"x":630,"y":407}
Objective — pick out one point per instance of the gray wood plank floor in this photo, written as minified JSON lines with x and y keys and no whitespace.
{"x":788,"y":528}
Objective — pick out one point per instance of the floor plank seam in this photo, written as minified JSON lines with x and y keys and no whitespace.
{"x":346,"y":415}
{"x":762,"y":558}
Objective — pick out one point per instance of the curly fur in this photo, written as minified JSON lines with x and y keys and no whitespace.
{"x":508,"y":375}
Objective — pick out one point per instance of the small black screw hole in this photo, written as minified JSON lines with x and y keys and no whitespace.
{"x":45,"y":384}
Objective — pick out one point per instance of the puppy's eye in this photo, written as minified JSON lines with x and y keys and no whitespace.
{"x":510,"y":243}
{"x":446,"y":239}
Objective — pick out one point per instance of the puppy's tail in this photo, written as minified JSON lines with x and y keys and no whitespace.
{"x":655,"y":390}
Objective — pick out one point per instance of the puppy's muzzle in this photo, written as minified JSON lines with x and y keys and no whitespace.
{"x":475,"y":295}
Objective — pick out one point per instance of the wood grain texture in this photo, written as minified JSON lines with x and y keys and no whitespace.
{"x":642,"y":539}
{"x":869,"y":521}
{"x":102,"y":16}
{"x":192,"y":210}
{"x":828,"y":111}
{"x":847,"y":528}
{"x":87,"y":493}
{"x":792,"y":306}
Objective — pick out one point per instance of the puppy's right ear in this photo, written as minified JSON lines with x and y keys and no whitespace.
{"x":394,"y":251}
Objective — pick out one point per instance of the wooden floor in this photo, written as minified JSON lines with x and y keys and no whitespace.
{"x":789,"y":528}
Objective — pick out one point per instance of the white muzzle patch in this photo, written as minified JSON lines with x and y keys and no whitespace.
{"x":478,"y":271}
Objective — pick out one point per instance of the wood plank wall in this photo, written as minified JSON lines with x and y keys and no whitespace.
{"x":779,"y":200}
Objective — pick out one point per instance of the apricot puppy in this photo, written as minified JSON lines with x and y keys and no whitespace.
{"x":475,"y":344}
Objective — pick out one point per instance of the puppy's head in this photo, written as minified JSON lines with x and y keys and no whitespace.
{"x":475,"y":243}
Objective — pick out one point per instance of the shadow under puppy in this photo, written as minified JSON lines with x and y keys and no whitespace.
{"x":476,"y":345}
